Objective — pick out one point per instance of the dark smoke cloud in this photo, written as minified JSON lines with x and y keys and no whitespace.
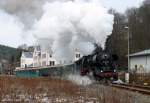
{"x":26,"y":10}
{"x":147,"y":2}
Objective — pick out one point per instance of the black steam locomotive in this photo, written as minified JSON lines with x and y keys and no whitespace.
{"x":100,"y":65}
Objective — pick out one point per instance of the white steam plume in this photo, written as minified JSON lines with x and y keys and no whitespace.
{"x":16,"y":20}
{"x":63,"y":25}
{"x":26,"y":10}
{"x":10,"y":26}
{"x":80,"y":80}
{"x":73,"y":24}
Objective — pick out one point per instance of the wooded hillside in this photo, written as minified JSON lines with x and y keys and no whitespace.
{"x":138,"y":21}
{"x":9,"y":54}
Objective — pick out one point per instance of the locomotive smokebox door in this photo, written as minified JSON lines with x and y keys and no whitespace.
{"x":115,"y":57}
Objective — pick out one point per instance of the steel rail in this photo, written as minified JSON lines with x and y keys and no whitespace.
{"x":135,"y":88}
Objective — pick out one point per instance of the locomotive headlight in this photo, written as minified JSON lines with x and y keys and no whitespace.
{"x":101,"y":71}
{"x":114,"y":70}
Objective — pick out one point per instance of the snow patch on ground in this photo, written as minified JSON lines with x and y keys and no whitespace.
{"x":118,"y":81}
{"x":80,"y":80}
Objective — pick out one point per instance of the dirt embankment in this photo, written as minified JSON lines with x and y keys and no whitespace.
{"x":48,"y":90}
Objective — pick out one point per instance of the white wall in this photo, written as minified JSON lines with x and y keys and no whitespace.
{"x":26,"y":61}
{"x":142,"y":62}
{"x":42,"y":60}
{"x":36,"y":59}
{"x":76,"y":56}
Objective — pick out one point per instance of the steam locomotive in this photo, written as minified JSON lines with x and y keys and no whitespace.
{"x":100,"y":65}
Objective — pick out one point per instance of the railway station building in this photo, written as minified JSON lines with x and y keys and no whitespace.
{"x":140,"y":61}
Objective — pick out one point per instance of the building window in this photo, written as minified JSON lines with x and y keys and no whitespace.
{"x":135,"y":67}
{"x":77,"y":55}
{"x":52,"y":63}
{"x":25,"y":65}
{"x":39,"y":54}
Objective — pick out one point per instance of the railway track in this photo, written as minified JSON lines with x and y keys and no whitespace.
{"x":135,"y":88}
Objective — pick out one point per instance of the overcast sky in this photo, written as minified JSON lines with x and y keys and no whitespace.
{"x":10,"y":28}
{"x":121,"y":5}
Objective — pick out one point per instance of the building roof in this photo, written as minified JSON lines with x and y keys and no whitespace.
{"x":28,"y":54}
{"x":142,"y":53}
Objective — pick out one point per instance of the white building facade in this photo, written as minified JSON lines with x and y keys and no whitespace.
{"x":26,"y":59}
{"x":42,"y":58}
{"x":78,"y":55}
{"x":38,"y":58}
{"x":140,"y":62}
{"x":47,"y":59}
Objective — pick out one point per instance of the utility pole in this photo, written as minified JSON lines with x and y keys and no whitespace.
{"x":128,"y":46}
{"x":127,"y":74}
